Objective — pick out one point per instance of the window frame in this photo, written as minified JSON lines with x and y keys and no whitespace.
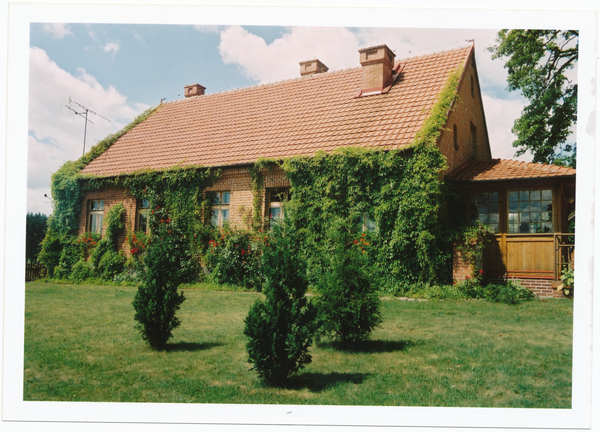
{"x":517,"y":210}
{"x":92,"y":224}
{"x":472,"y":211}
{"x":220,"y":206}
{"x":278,"y":204}
{"x":143,"y":211}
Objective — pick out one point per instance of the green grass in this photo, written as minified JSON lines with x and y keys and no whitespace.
{"x":81,"y":345}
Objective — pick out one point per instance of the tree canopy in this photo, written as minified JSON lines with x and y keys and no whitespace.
{"x":537,"y":63}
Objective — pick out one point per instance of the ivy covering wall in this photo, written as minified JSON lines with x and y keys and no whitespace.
{"x":402,"y":191}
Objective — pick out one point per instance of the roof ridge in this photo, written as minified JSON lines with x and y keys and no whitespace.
{"x":313,"y":76}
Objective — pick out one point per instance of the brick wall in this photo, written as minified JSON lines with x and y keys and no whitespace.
{"x":237,"y":181}
{"x":543,"y":288}
{"x":467,"y":110}
{"x":111,"y":197}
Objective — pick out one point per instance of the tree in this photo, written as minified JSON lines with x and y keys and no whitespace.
{"x":348,"y":303}
{"x":280,"y":329}
{"x":36,"y":226}
{"x":157,"y":299}
{"x":537,"y":63}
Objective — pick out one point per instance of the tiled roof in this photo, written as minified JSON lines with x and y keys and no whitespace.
{"x":294,"y":117}
{"x":505,"y":169}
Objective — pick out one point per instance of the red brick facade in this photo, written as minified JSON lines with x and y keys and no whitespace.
{"x":466,"y":114}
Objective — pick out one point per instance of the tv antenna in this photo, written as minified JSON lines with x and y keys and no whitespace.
{"x":84,"y":114}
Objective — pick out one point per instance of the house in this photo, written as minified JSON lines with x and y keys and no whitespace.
{"x":380,"y":105}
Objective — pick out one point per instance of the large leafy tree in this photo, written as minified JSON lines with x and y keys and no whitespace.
{"x":36,"y":230}
{"x":537,"y":63}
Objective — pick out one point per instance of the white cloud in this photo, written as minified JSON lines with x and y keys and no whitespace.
{"x":112,"y":46}
{"x":500,"y":115}
{"x":58,"y":31}
{"x":58,"y":131}
{"x":279,"y":60}
{"x":338,"y":49}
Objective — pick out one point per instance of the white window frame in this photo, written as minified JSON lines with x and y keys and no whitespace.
{"x":143,"y":212}
{"x":277,"y":204}
{"x":368,"y":224}
{"x":221,"y":205}
{"x":95,"y":218}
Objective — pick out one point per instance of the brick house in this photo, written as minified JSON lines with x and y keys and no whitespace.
{"x":380,"y":105}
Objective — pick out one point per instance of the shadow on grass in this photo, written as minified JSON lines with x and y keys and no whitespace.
{"x":317,"y":382}
{"x":370,"y":346}
{"x":191,"y":346}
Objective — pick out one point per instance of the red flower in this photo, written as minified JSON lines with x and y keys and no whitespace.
{"x":355,"y":241}
{"x":481,"y":272}
{"x":169,"y":231}
{"x":168,"y":220}
{"x":467,"y":277}
{"x":242,"y":251}
{"x":134,"y":250}
{"x":94,"y":243}
{"x":157,"y":207}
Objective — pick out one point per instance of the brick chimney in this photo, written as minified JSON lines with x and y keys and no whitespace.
{"x":310,"y":67}
{"x":377,"y":67}
{"x":193,"y":90}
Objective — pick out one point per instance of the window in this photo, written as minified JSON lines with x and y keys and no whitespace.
{"x":473,"y":141}
{"x":95,"y":216}
{"x":220,"y":208}
{"x":368,"y":223}
{"x":455,"y":137}
{"x":488,"y":211}
{"x":143,"y":215}
{"x":472,"y":86}
{"x":530,"y":211}
{"x":276,"y":199}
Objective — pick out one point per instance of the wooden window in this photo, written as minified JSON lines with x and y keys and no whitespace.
{"x":220,"y":208}
{"x":530,"y":211}
{"x":473,"y":141}
{"x":276,"y":199}
{"x":95,"y":216}
{"x":488,"y":209}
{"x":472,"y":86}
{"x":143,"y":213}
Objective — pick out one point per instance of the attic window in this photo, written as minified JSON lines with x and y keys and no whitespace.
{"x":455,"y":137}
{"x":473,"y":141}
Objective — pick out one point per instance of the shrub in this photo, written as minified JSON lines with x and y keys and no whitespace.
{"x":69,"y":256}
{"x":280,"y":329}
{"x":81,"y":271}
{"x":348,"y":303}
{"x":567,"y":281}
{"x":508,"y":292}
{"x":233,"y":257}
{"x":157,"y":300}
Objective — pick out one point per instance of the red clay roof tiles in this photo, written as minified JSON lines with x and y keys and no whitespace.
{"x":288,"y":118}
{"x":503,"y":169}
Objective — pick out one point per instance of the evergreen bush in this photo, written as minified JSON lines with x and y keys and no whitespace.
{"x":168,"y":264}
{"x":348,"y":302}
{"x":280,"y":329}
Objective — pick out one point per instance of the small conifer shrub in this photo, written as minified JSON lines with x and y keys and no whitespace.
{"x":348,"y":303}
{"x":157,"y":299}
{"x":280,"y":329}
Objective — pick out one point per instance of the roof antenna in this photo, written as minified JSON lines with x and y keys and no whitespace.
{"x":85,"y":111}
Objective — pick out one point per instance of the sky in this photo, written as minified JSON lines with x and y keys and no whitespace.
{"x":119,"y":70}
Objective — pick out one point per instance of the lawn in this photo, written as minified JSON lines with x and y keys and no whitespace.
{"x":81,"y":345}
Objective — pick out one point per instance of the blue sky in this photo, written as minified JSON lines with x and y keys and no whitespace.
{"x":119,"y":70}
